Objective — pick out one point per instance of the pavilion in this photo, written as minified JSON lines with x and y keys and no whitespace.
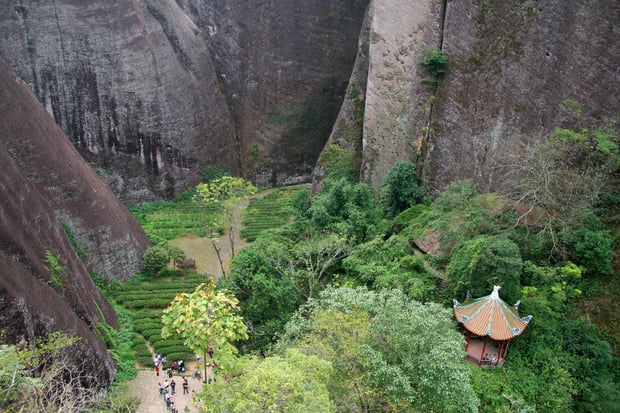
{"x":489,"y":324}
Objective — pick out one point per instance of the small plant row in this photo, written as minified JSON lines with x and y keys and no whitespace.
{"x":141,"y":351}
{"x":173,"y":219}
{"x":266,"y":213}
{"x":180,"y":284}
{"x":150,"y":331}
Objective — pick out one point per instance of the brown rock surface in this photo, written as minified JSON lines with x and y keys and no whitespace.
{"x":45,"y":183}
{"x":152,"y":91}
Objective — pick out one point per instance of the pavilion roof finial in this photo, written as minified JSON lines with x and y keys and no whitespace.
{"x":495,"y":293}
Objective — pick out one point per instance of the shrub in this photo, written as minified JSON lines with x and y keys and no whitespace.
{"x":155,"y":258}
{"x":435,"y":62}
{"x":400,"y":189}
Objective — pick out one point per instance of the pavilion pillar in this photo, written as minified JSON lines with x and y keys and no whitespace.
{"x":467,"y":338}
{"x":484,"y":347}
{"x":505,"y":349}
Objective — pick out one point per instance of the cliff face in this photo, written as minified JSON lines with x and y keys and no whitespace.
{"x":45,"y":188}
{"x":511,"y":65}
{"x":151,"y":92}
{"x":112,"y":240}
{"x":132,"y":85}
{"x":510,"y":68}
{"x":283,"y":68}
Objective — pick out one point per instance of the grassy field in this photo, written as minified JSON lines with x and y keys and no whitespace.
{"x":174,"y":219}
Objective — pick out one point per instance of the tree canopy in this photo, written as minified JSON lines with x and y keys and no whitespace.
{"x":206,"y":317}
{"x":406,"y":355}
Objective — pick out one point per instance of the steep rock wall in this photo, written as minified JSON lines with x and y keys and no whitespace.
{"x":511,"y":65}
{"x":130,"y":82}
{"x":112,"y":240}
{"x":283,"y":68}
{"x":31,"y":198}
{"x":387,"y":106}
{"x":153,"y":91}
{"x":396,"y":101}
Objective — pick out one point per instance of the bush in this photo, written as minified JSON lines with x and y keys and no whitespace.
{"x":155,"y":258}
{"x":483,"y":262}
{"x":400,"y":189}
{"x":435,"y":62}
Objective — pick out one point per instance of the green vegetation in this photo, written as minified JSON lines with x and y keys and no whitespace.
{"x":173,"y":219}
{"x":154,"y":260}
{"x":57,"y":272}
{"x":223,"y":195}
{"x":336,"y":307}
{"x":214,"y":172}
{"x":269,"y":212}
{"x":205,"y":319}
{"x":400,"y":189}
{"x":435,"y":62}
{"x":143,"y":299}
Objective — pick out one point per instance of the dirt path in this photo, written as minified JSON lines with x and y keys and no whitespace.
{"x":146,"y":387}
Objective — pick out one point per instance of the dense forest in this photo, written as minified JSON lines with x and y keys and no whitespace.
{"x":348,"y":301}
{"x":342,"y":300}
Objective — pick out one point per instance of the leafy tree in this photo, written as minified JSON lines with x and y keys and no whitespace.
{"x":223,"y":193}
{"x":345,"y":208}
{"x":416,"y":356}
{"x":590,"y":248}
{"x":483,"y":262}
{"x":390,"y":264}
{"x":308,"y":261}
{"x":294,"y":382}
{"x":409,"y":354}
{"x":337,"y":336}
{"x":205,"y":317}
{"x":267,"y":298}
{"x":400,"y":188}
{"x":176,"y":254}
{"x":154,"y":260}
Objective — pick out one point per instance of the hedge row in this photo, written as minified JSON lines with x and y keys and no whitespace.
{"x":148,"y":303}
{"x":141,"y":351}
{"x":266,"y":213}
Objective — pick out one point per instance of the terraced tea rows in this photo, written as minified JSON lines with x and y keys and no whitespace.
{"x":145,"y":299}
{"x":173,"y":219}
{"x":271,"y":211}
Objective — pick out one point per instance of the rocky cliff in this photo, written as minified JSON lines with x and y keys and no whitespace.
{"x":510,"y":67}
{"x":153,"y":91}
{"x":49,"y":195}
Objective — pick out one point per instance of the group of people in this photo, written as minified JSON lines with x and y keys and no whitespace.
{"x":168,"y":388}
{"x":493,"y":360}
{"x":161,"y":364}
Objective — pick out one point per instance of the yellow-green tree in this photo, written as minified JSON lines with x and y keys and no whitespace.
{"x":205,"y":317}
{"x":223,"y":194}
